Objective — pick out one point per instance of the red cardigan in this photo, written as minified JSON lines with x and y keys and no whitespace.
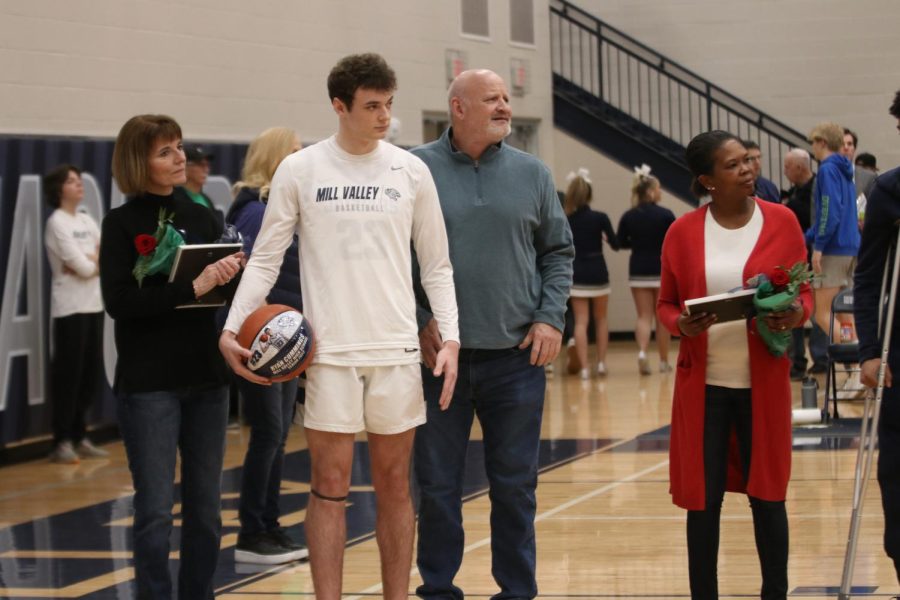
{"x":683,"y":277}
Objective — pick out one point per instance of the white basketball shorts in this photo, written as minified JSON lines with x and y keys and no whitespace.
{"x":383,"y":399}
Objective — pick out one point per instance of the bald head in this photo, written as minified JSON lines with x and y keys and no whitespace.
{"x":479,"y":110}
{"x":797,"y":166}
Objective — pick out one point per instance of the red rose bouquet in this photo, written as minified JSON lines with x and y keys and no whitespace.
{"x":775,"y":292}
{"x":156,"y":252}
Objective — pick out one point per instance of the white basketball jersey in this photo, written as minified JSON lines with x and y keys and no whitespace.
{"x":355,"y":216}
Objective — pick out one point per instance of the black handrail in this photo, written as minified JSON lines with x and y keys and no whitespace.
{"x":656,"y":91}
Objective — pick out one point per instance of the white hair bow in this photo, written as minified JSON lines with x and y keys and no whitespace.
{"x":642,"y":171}
{"x":581,"y":172}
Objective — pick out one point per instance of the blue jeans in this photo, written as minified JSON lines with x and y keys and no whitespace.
{"x":269,"y":410}
{"x":506,"y":393}
{"x":155,"y":425}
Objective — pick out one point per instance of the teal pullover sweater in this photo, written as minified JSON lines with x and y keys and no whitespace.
{"x":510,"y":242}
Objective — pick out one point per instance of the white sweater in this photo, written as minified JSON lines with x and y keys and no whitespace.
{"x":726,"y":253}
{"x":70,"y":240}
{"x":355,"y":216}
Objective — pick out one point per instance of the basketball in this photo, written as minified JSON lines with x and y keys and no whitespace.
{"x":280,"y":339}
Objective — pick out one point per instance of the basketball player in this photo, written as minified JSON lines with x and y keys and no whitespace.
{"x":512,"y":262}
{"x":356,"y":202}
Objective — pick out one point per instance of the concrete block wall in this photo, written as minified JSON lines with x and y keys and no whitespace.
{"x":227,"y":69}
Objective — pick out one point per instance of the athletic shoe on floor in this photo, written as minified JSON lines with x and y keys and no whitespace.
{"x":665,"y":367}
{"x":261,"y":549}
{"x":601,"y":369}
{"x":643,"y":364}
{"x":64,"y":454}
{"x":88,"y":450}
{"x":281,"y":537}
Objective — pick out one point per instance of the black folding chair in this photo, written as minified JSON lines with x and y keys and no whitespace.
{"x":841,"y":356}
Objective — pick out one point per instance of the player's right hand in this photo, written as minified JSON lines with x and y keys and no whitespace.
{"x":236,"y":357}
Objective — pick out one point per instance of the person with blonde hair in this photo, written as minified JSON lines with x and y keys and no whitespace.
{"x":643,"y":229}
{"x":590,"y":279}
{"x":268,"y":409}
{"x":834,"y":233}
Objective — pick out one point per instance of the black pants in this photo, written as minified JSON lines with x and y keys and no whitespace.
{"x":889,"y":462}
{"x":75,"y":372}
{"x":726,"y":410}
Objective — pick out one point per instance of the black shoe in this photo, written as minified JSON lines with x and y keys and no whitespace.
{"x":260,"y":549}
{"x":798,"y":374}
{"x":818,"y":368}
{"x":280,"y":537}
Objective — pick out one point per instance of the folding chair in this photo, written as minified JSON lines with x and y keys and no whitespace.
{"x":840,"y":355}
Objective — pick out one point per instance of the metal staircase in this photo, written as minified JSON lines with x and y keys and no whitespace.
{"x":636,"y":106}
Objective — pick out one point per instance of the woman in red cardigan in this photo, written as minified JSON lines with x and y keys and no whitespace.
{"x":731,"y":413}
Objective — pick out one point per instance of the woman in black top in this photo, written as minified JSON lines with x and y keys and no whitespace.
{"x":590,"y":280}
{"x":643,"y":229}
{"x":170,"y":379}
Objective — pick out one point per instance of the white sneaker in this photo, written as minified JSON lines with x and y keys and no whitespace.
{"x":601,"y":369}
{"x":548,"y":368}
{"x":64,"y":454}
{"x":643,"y":365}
{"x":665,"y":367}
{"x":584,"y":374}
{"x":86,"y":449}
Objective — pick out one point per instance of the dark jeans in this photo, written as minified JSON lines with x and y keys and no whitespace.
{"x":889,"y":460}
{"x":729,"y":409}
{"x":155,"y":425}
{"x":818,"y":347}
{"x":269,"y":410}
{"x":506,"y":393}
{"x":75,"y":372}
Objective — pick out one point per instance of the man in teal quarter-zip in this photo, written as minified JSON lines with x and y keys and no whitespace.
{"x":512,"y":252}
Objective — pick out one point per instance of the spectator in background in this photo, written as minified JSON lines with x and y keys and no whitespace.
{"x":834,"y":233}
{"x":590,"y":281}
{"x":72,"y":239}
{"x":643,"y":228}
{"x":268,"y":409}
{"x":798,"y":170}
{"x":865,"y":160}
{"x":862,"y":178}
{"x":197,"y":172}
{"x":764,"y":188}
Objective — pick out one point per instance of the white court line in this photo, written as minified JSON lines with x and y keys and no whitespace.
{"x":541,"y":517}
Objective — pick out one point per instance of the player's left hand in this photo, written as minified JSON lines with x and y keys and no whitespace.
{"x":545,"y":342}
{"x":447,"y":364}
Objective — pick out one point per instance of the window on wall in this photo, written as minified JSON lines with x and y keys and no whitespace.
{"x":475,"y":18}
{"x":521,"y":21}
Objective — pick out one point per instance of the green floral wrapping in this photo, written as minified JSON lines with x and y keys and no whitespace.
{"x":775,"y":292}
{"x":161,"y":259}
{"x":777,"y":342}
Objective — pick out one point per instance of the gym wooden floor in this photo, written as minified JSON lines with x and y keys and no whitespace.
{"x":606,"y":526}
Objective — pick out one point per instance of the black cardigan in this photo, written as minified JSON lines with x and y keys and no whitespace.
{"x":160,"y":347}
